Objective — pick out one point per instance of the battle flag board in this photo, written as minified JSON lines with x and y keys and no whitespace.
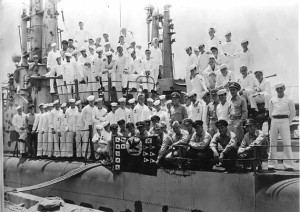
{"x":136,"y":155}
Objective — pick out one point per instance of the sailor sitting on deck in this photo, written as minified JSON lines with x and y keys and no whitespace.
{"x":228,"y":141}
{"x":101,"y":140}
{"x":252,"y":138}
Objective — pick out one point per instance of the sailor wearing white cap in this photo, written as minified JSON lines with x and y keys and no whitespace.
{"x":55,"y":124}
{"x":99,"y":112}
{"x":51,"y":61}
{"x":19,"y":122}
{"x":69,"y":72}
{"x":112,"y":116}
{"x":65,"y":146}
{"x":121,"y":69}
{"x":203,"y":58}
{"x":219,"y":57}
{"x":163,"y":115}
{"x":122,"y":112}
{"x":84,"y":73}
{"x":139,"y":52}
{"x":156,"y":55}
{"x":163,"y":104}
{"x":135,"y":70}
{"x":81,"y":36}
{"x":86,"y":117}
{"x":282,"y":112}
{"x":197,"y":81}
{"x":108,"y":67}
{"x":211,"y":72}
{"x":79,"y":133}
{"x":96,"y":69}
{"x":42,"y":145}
{"x":225,"y":76}
{"x":103,"y":142}
{"x":245,"y":56}
{"x":213,"y":40}
{"x":132,"y":104}
{"x":247,"y":82}
{"x":36,"y":128}
{"x":191,"y":60}
{"x":222,"y":108}
{"x":127,"y":35}
{"x":197,"y":110}
{"x":262,"y":92}
{"x":229,"y":48}
{"x":149,"y":69}
{"x":141,"y":111}
{"x":71,"y":113}
{"x":45,"y":129}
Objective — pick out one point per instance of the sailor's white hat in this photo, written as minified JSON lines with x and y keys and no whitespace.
{"x":42,"y":104}
{"x":82,"y":49}
{"x":53,"y":44}
{"x":105,"y":124}
{"x":244,"y":40}
{"x":63,"y":105}
{"x":99,"y":126}
{"x":99,"y":100}
{"x":19,"y":107}
{"x":222,"y":66}
{"x":78,"y":102}
{"x":131,"y":101}
{"x":279,"y":85}
{"x":122,"y":99}
{"x":71,"y":100}
{"x":91,"y":98}
{"x":67,"y":54}
{"x":187,"y":47}
{"x":161,"y":97}
{"x":222,"y":91}
{"x":156,"y":102}
{"x":191,"y":93}
{"x":114,"y":104}
{"x":99,"y":49}
{"x":192,"y":67}
{"x":56,"y":102}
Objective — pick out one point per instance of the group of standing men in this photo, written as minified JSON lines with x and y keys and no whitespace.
{"x":95,"y":64}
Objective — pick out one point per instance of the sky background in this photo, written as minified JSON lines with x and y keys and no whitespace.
{"x":270,"y":26}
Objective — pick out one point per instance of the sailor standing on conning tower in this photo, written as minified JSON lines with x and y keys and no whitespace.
{"x":191,"y":60}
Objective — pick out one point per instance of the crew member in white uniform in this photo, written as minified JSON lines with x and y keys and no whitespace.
{"x":191,"y":60}
{"x":112,"y":116}
{"x":71,"y":113}
{"x":163,"y":115}
{"x":99,"y":113}
{"x":245,"y":56}
{"x":69,"y":70}
{"x":128,"y":36}
{"x":262,"y":92}
{"x":141,"y":112}
{"x":229,"y":48}
{"x":108,"y":70}
{"x":222,"y":109}
{"x":122,"y":112}
{"x":35,"y":127}
{"x":282,"y":112}
{"x":42,"y":144}
{"x":219,"y":57}
{"x":86,"y":117}
{"x":55,"y":126}
{"x":224,"y":77}
{"x":213,"y":40}
{"x":203,"y":58}
{"x":211,"y":72}
{"x":57,"y":70}
{"x":96,"y":70}
{"x":51,"y":61}
{"x":19,"y":122}
{"x":196,"y":111}
{"x":131,"y":103}
{"x":47,"y":132}
{"x":135,"y":70}
{"x":197,"y":81}
{"x":121,"y":69}
{"x":247,"y":82}
{"x":148,"y":67}
{"x":81,"y":36}
{"x":65,"y":148}
{"x":85,"y":66}
{"x":79,"y":133}
{"x":157,"y":58}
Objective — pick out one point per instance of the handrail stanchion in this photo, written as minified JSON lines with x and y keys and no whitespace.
{"x":76,"y":89}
